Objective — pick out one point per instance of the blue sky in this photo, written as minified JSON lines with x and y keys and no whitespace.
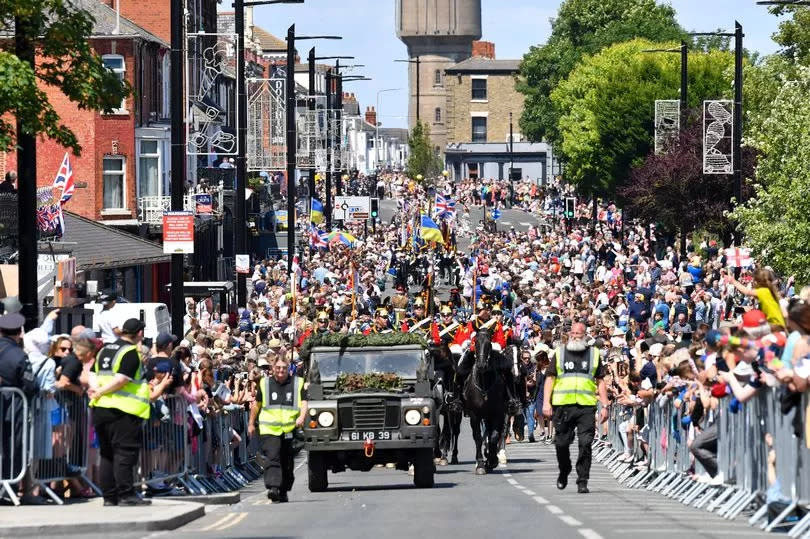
{"x":367,"y":27}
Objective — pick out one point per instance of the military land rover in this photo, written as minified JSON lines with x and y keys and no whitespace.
{"x":370,"y":402}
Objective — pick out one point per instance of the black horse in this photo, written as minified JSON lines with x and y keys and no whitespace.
{"x":485,"y":399}
{"x":448,"y":402}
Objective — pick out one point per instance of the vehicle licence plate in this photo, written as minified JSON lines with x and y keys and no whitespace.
{"x":357,"y":436}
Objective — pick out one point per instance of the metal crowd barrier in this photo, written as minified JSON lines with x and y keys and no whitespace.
{"x":742,"y":460}
{"x":49,"y":441}
{"x":15,"y":440}
{"x":60,"y":426}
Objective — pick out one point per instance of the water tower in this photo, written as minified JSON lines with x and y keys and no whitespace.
{"x":440,"y":33}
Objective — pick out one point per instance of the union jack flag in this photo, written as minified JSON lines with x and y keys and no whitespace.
{"x":445,"y":207}
{"x":64,"y":179}
{"x":49,"y":219}
{"x":318,"y":239}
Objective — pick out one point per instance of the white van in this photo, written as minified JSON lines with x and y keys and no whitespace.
{"x":154,"y":315}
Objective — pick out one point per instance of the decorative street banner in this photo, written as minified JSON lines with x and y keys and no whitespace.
{"x":267,"y":123}
{"x":178,"y":232}
{"x":667,"y":122}
{"x":311,"y":135}
{"x":206,"y":62}
{"x":718,"y":126}
{"x":242,"y":263}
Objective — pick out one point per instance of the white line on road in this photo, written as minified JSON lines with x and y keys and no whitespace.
{"x":588,"y":533}
{"x":506,"y":474}
{"x":540,"y":500}
{"x":554,"y":510}
{"x":511,"y":481}
{"x":525,"y":224}
{"x":571,"y":521}
{"x":528,"y":492}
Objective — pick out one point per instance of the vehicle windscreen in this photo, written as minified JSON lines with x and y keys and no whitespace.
{"x":403,"y":363}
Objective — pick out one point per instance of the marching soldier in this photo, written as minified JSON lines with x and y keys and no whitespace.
{"x":570,"y":397}
{"x":280,"y":407}
{"x":400,"y":304}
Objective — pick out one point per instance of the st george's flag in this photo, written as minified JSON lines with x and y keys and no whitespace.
{"x":316,"y":212}
{"x":430,"y":230}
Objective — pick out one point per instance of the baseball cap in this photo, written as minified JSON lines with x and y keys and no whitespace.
{"x":163,"y":366}
{"x":164,"y":339}
{"x":132,"y":326}
{"x":755,"y":323}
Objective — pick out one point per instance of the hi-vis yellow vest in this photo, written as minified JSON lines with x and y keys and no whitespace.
{"x":133,"y":398}
{"x":280,"y":405}
{"x":575,"y":381}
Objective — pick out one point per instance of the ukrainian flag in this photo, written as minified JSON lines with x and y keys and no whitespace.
{"x":316,"y":212}
{"x":430,"y":230}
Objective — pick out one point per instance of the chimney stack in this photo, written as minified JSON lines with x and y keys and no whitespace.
{"x":371,"y":116}
{"x":483,"y":49}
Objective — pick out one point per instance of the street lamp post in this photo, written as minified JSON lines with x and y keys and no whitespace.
{"x":239,"y":213}
{"x":418,"y":62}
{"x":377,"y":127}
{"x":178,"y":157}
{"x":292,"y":139}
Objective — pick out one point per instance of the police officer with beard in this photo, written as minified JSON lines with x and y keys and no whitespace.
{"x":569,"y":397}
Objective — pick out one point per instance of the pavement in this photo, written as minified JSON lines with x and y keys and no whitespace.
{"x":91,"y":518}
{"x":517,"y":500}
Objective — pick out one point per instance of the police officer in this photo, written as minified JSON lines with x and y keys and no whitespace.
{"x":119,"y":396}
{"x":15,"y":371}
{"x":281,"y":407}
{"x":571,"y":389}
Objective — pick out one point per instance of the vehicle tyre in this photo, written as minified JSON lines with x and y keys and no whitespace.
{"x":423,"y":469}
{"x":316,"y":464}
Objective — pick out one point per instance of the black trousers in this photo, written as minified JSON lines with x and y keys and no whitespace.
{"x":119,"y":438}
{"x":704,"y":448}
{"x":279,"y":470}
{"x":568,"y":420}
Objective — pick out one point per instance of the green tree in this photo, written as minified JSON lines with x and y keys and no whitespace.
{"x":422,"y":159}
{"x":794,"y":33}
{"x":606,"y":107}
{"x":776,"y":222}
{"x":59,"y":31}
{"x":583,"y":27}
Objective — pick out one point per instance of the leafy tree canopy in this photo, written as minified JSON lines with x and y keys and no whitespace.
{"x":776,"y":222}
{"x":606,"y":107}
{"x":59,"y":31}
{"x":422,"y":159}
{"x":583,"y":27}
{"x":794,"y":33}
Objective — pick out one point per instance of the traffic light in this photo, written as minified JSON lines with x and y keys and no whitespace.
{"x":375,"y":207}
{"x":570,"y":202}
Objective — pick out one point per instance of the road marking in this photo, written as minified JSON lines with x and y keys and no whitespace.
{"x":588,"y":533}
{"x":506,"y":474}
{"x":233,"y":522}
{"x":571,"y":521}
{"x":220,"y":522}
{"x":540,"y":500}
{"x":525,"y":224}
{"x":511,"y":481}
{"x":554,"y":510}
{"x":507,"y":223}
{"x":262,"y":502}
{"x":528,"y":492}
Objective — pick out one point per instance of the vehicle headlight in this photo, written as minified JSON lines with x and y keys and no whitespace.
{"x":326,"y":419}
{"x":426,"y":410}
{"x":412,"y":417}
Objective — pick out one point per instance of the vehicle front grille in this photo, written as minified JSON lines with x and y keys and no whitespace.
{"x":369,"y":414}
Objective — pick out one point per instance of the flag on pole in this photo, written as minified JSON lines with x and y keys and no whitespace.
{"x":430,"y":230}
{"x":738,"y":257}
{"x":64,"y":179}
{"x":445,"y":207}
{"x":316,"y":212}
{"x":317,"y":238}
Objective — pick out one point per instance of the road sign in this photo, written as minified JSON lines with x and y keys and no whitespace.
{"x":496,"y":214}
{"x":351,"y":209}
{"x":178,"y":232}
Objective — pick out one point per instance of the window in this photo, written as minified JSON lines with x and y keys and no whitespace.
{"x":438,"y":115}
{"x":479,"y":89}
{"x":479,"y":129}
{"x":149,"y":169}
{"x":114,"y":183}
{"x":115,"y":63}
{"x":437,"y":77}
